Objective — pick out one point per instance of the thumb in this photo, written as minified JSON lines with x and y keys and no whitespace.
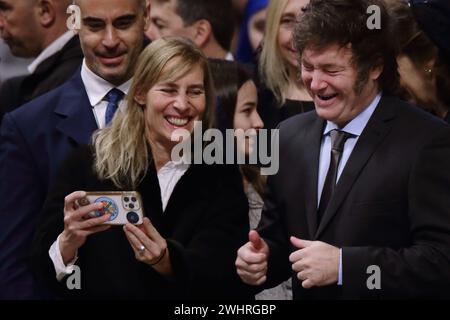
{"x":256,"y":241}
{"x":300,"y":243}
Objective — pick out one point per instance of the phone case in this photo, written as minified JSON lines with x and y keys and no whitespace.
{"x":123,"y":206}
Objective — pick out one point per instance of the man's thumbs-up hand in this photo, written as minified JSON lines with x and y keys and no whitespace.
{"x":251,"y":261}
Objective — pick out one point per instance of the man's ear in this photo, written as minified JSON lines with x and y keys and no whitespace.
{"x":202,"y":32}
{"x":376,"y":71}
{"x":46,"y":12}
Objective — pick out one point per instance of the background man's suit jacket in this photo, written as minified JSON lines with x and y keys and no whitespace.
{"x":51,"y":73}
{"x":391,"y":206}
{"x":34,"y":140}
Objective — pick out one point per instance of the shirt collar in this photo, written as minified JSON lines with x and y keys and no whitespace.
{"x":174,"y":165}
{"x":357,"y":125}
{"x":229,"y":57}
{"x":97,"y":87}
{"x":53,"y":48}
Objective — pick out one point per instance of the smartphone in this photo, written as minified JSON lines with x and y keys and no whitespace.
{"x":123,"y":206}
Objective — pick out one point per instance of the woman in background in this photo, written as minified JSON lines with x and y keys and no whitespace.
{"x":423,"y":66}
{"x":251,"y":31}
{"x":237,"y":101}
{"x":282,"y":93}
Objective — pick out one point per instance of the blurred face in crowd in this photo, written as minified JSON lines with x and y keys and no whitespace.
{"x":331,"y":79}
{"x":174,"y":104}
{"x":291,"y":13}
{"x":164,"y":21}
{"x":418,"y":82}
{"x":111,"y":36}
{"x":256,"y":28}
{"x":19,"y":27}
{"x":246,"y":116}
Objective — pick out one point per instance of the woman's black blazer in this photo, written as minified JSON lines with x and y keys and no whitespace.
{"x":205,"y":222}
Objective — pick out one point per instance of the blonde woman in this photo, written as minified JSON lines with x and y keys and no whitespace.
{"x":195,"y":215}
{"x":282,"y":93}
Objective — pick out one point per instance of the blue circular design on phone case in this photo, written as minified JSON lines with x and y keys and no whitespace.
{"x":109,"y":206}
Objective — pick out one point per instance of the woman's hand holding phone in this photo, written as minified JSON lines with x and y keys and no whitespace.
{"x":78,"y":225}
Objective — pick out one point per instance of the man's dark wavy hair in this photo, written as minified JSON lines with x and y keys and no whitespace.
{"x":343,"y":22}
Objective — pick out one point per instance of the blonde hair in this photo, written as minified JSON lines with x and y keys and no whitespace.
{"x":121,"y":150}
{"x":272,"y":67}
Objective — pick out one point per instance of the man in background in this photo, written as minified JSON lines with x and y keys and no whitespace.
{"x":37,"y":29}
{"x":35,"y":138}
{"x":11,"y":66}
{"x":209,"y":24}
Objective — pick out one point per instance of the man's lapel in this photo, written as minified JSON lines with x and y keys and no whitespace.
{"x":77,"y":121}
{"x":314,"y":138}
{"x":375,"y":131}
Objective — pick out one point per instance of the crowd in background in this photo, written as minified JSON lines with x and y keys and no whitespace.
{"x":129,"y":72}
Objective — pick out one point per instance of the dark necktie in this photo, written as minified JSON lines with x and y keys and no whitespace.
{"x":338,"y":139}
{"x":113,"y":97}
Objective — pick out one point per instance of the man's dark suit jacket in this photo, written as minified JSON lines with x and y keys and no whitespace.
{"x":391,"y":206}
{"x":205,"y":222}
{"x":51,"y":73}
{"x":34,"y":140}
